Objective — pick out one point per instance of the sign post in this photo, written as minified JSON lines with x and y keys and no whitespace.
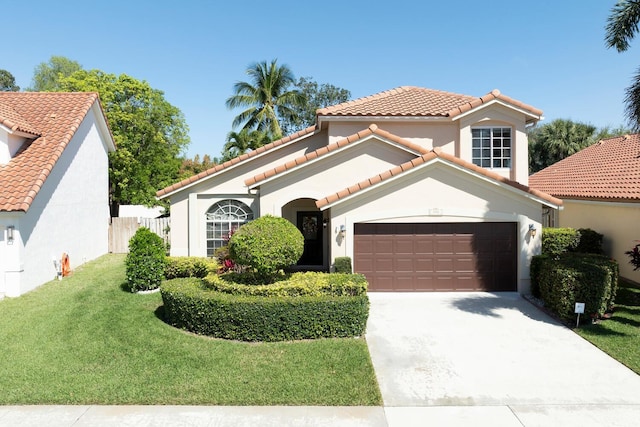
{"x":579,"y":310}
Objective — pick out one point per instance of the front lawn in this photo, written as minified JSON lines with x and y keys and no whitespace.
{"x":619,"y":336}
{"x":84,"y":340}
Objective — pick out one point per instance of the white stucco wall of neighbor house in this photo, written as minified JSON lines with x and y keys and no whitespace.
{"x":439,"y":193}
{"x":69,"y":215}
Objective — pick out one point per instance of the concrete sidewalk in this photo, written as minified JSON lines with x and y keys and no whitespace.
{"x":315,"y":416}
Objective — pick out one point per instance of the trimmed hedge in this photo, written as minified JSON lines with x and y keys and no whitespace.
{"x":186,"y":266}
{"x":568,"y":278}
{"x":559,"y":240}
{"x":342,"y":264}
{"x":189,"y":305}
{"x":590,"y":242}
{"x":298,"y":284}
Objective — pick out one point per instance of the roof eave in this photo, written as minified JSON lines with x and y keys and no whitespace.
{"x":530,"y":117}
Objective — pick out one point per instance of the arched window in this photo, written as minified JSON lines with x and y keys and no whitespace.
{"x":222,"y":219}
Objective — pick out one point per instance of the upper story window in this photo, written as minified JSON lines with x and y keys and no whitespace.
{"x":222,"y":219}
{"x":491,"y":147}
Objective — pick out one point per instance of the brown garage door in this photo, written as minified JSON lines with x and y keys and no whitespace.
{"x":437,"y":257}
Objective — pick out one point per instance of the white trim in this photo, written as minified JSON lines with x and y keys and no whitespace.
{"x":502,"y":103}
{"x":19,"y":132}
{"x":602,"y":202}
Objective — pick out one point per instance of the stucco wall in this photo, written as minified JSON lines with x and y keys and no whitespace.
{"x":439,"y":193}
{"x":336,"y":172}
{"x":426,"y":134}
{"x":189,"y":206}
{"x":69,"y":215}
{"x":618,"y":222}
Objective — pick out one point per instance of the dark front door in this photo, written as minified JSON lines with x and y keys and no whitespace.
{"x":310,"y":225}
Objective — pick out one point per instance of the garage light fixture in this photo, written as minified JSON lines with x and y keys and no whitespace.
{"x":532,"y":230}
{"x":10,"y":236}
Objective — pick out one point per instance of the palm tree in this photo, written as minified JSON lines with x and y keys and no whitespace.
{"x":240,"y":142}
{"x":622,"y":26}
{"x":267,"y":98}
{"x":554,"y":141}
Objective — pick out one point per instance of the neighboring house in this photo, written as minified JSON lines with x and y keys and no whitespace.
{"x":54,"y":185}
{"x":424,"y":190}
{"x":600,"y":189}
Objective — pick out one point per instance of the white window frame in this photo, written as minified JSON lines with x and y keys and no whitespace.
{"x":222,"y":219}
{"x":498,"y":154}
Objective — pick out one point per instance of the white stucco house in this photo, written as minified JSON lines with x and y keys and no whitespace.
{"x":424,"y":190}
{"x":600,"y":189}
{"x":54,"y":185}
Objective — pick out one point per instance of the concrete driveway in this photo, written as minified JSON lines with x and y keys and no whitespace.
{"x":492,"y":358}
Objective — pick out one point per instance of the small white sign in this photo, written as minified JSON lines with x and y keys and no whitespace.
{"x":580,"y":308}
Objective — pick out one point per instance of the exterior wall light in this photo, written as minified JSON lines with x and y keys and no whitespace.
{"x":10,"y":234}
{"x":342,"y":229}
{"x":532,"y":230}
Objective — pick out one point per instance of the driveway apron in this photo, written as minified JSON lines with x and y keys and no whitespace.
{"x":462,"y":349}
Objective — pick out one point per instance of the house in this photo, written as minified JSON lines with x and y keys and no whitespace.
{"x":54,"y":185}
{"x":424,"y":190}
{"x":600,"y":189}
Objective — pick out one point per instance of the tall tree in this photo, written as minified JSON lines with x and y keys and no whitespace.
{"x":240,"y":142}
{"x":47,"y":75}
{"x":8,"y":82}
{"x":317,"y":96}
{"x":622,"y":26}
{"x":149,"y":132}
{"x":266,"y":97}
{"x":191,"y":167}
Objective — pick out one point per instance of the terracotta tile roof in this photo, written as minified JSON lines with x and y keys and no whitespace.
{"x":53,"y":119}
{"x":10,"y":118}
{"x":607,"y":170}
{"x":217,"y":168}
{"x":416,"y":101}
{"x":433,"y":154}
{"x":371,"y":130}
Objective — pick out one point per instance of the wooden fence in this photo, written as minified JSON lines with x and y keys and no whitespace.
{"x":123,"y":229}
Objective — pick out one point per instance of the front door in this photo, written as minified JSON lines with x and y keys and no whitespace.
{"x":310,"y":225}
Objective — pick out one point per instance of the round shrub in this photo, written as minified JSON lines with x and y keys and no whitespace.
{"x":145,"y":261}
{"x":267,"y":245}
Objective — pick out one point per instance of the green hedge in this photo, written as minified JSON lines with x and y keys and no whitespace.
{"x":145,"y":261}
{"x":189,"y":305}
{"x":186,"y":266}
{"x":568,"y":278}
{"x":298,"y":284}
{"x":590,"y":242}
{"x":559,"y":240}
{"x":342,"y":264}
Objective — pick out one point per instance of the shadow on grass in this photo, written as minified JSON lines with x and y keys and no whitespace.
{"x":600,"y":330}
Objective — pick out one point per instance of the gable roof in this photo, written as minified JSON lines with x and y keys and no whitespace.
{"x":435,"y":154}
{"x":411,"y":101}
{"x":342,"y":143}
{"x":243,"y":157}
{"x":608,"y":170}
{"x":52,"y":119}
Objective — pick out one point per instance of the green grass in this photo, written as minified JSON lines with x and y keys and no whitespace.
{"x":84,"y":340}
{"x":619,"y":336}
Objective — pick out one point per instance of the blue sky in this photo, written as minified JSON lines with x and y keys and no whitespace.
{"x":549,"y":53}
